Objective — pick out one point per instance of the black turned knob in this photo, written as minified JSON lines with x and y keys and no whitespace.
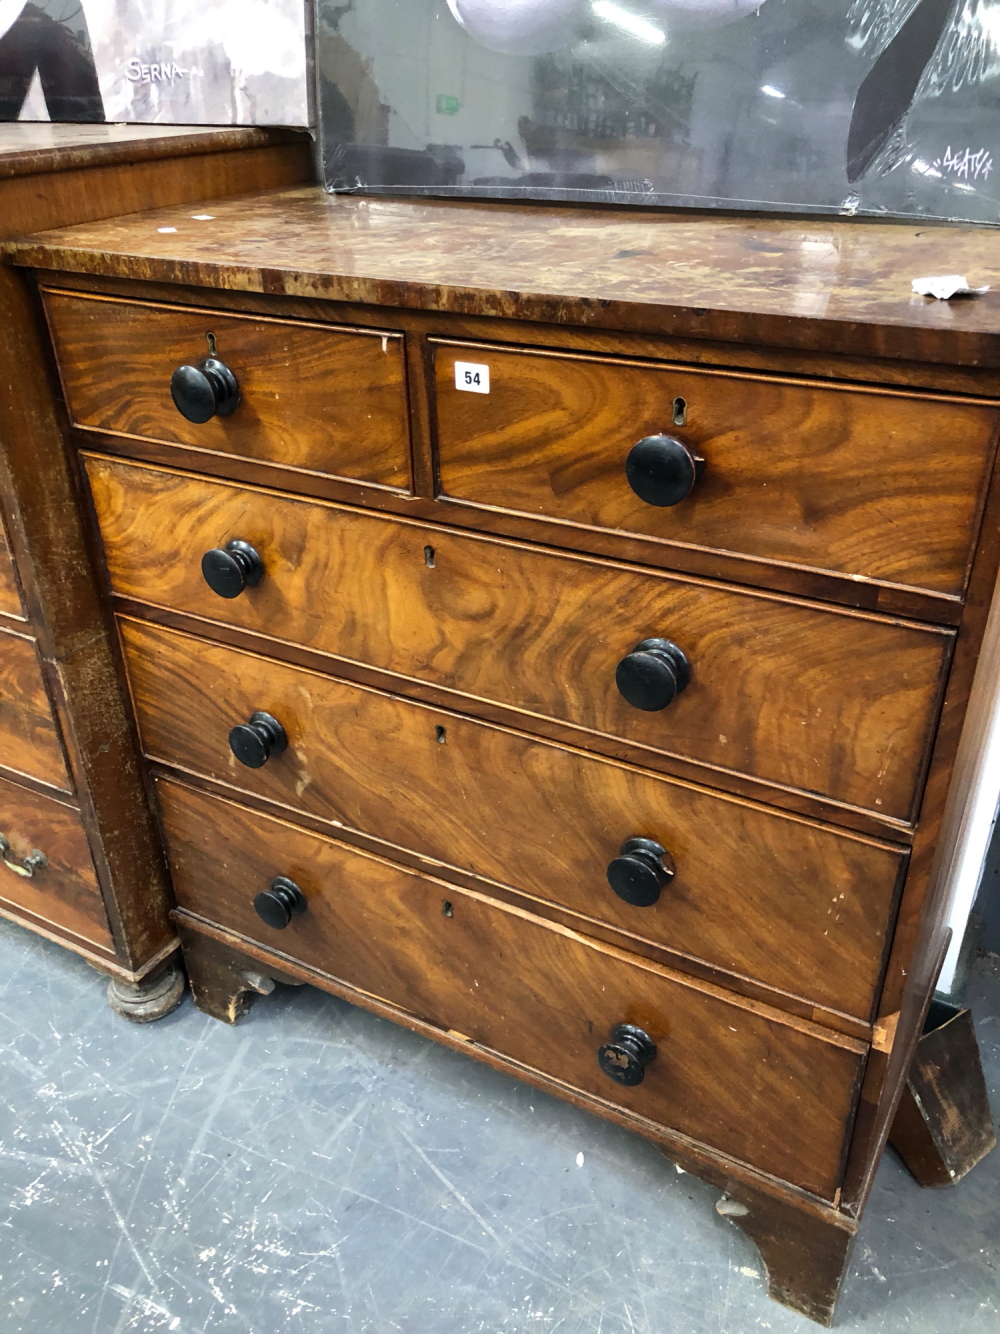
{"x":230,"y":569}
{"x":641,"y":869}
{"x":254,"y":742}
{"x":662,"y":471}
{"x":653,"y":674}
{"x":204,"y":391}
{"x":277,"y":905}
{"x":625,"y":1057}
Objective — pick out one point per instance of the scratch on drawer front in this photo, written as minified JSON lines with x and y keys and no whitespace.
{"x":884,"y":1033}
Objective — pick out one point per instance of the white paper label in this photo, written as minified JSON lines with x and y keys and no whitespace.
{"x":474,"y":379}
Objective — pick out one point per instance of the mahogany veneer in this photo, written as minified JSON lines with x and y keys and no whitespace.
{"x":408,"y":738}
{"x":746,"y":1079}
{"x":541,"y":633}
{"x":506,"y":807}
{"x":317,"y":399}
{"x":839,"y":489}
{"x":73,"y":811}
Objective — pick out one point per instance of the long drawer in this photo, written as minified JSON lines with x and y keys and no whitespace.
{"x":739,"y":1079}
{"x":314,"y":397}
{"x":10,"y":602}
{"x":797,"y":695}
{"x":805,"y":473}
{"x":63,"y":891}
{"x":29,"y":734}
{"x":796,"y":905}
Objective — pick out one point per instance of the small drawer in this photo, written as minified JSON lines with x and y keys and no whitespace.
{"x":313,"y":397}
{"x":535,"y":816}
{"x":790,"y":693}
{"x":740,"y":1079}
{"x":10,"y":601}
{"x":870,"y":483}
{"x":30,"y":742}
{"x":64,"y":891}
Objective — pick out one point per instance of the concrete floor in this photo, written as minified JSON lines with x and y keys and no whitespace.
{"x":319,"y":1171}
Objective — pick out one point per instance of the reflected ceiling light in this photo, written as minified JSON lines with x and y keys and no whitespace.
{"x":681,"y":14}
{"x":518,"y":27}
{"x":773,"y":92}
{"x":534,"y":27}
{"x":629,"y":22}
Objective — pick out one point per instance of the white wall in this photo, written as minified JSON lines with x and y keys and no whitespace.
{"x":972,"y":804}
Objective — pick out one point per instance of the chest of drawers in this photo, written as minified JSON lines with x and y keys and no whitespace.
{"x":553,"y":631}
{"x":80,"y":856}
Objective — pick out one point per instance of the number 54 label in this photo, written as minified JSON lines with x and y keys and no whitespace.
{"x":473,"y":378}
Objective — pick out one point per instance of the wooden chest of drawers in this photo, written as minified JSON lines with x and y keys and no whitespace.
{"x":564,"y":659}
{"x":80,"y":856}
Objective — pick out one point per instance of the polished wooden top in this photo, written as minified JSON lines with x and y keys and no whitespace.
{"x":836,"y":285}
{"x":30,"y":147}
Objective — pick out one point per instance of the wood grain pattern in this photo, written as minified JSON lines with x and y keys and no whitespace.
{"x":835,"y":285}
{"x":421,"y":327}
{"x":10,"y":599}
{"x":65,"y":892}
{"x":799,"y":906}
{"x":793,"y":694}
{"x":29,"y":734}
{"x":776,"y":1096}
{"x":802,"y":473}
{"x":54,"y":175}
{"x":33,"y":148}
{"x":315,"y":398}
{"x":975,"y":381}
{"x":105,"y":189}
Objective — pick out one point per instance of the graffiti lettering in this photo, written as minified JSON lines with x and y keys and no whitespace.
{"x":966,"y":164}
{"x":159,"y":71}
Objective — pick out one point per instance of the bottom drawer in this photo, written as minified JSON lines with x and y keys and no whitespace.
{"x":63,"y":892}
{"x":735,"y":1075}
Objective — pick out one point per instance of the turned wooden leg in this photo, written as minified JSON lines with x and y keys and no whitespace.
{"x":150,"y":999}
{"x":805,"y":1252}
{"x":223,"y":983}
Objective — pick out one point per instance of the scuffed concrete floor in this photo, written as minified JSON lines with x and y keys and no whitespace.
{"x":319,"y":1171}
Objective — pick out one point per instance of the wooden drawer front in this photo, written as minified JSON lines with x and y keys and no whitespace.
{"x":798,"y":906}
{"x":314,"y":397}
{"x":870,"y":483}
{"x":835,"y":703}
{"x":29,"y":734}
{"x":10,"y":601}
{"x":64,"y":891}
{"x":740,"y":1080}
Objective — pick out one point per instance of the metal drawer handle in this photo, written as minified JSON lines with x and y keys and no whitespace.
{"x":34,"y":861}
